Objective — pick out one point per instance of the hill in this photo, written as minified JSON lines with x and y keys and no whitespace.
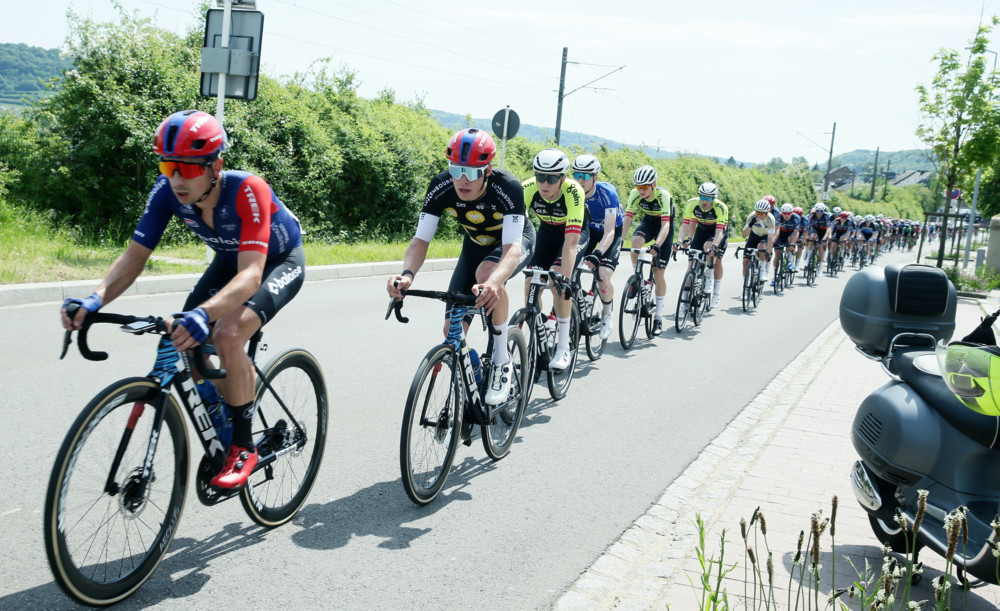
{"x":861,"y":160}
{"x":23,"y":69}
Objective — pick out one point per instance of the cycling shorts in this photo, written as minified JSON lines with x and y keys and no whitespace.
{"x":473,"y":254}
{"x":283,"y":277}
{"x":752,"y":241}
{"x":610,"y":258}
{"x":648,"y":229}
{"x":707,"y":235}
{"x":548,"y":246}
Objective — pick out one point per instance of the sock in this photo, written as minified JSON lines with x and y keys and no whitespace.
{"x":717,"y":289}
{"x":659,"y":306}
{"x":242,"y":416}
{"x":563,"y":343}
{"x":606,"y":307}
{"x":500,"y":353}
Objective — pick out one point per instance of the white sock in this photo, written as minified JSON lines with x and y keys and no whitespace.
{"x":659,"y":306}
{"x":606,"y":311}
{"x":500,"y":353}
{"x":717,"y":289}
{"x":563,"y":343}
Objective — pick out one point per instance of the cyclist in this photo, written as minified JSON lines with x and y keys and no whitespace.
{"x":489,"y":205}
{"x":774,"y":206}
{"x":563,"y":233}
{"x":789,"y":226}
{"x":704,"y":228}
{"x":818,"y":229}
{"x":656,"y":227}
{"x":803,"y":227}
{"x":604,"y":210}
{"x":758,"y":227}
{"x":842,"y":228}
{"x":869,"y":233}
{"x":259,"y":263}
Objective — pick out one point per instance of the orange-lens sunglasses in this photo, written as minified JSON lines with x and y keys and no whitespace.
{"x":187,"y":170}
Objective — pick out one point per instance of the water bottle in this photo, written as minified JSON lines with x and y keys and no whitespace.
{"x":550,"y":328}
{"x":217,"y":411}
{"x":477,"y":365}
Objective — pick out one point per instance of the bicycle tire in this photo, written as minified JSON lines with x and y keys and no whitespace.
{"x":629,"y":312}
{"x":559,"y":381}
{"x":523,"y":317}
{"x":698,"y":299}
{"x":747,"y":296}
{"x":649,"y":314}
{"x":679,"y":319}
{"x":595,"y":345}
{"x":275,"y":492}
{"x":757,"y":287}
{"x":427,"y":446}
{"x":498,"y":435}
{"x":94,"y":577}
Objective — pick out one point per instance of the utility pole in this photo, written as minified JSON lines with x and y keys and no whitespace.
{"x":885,"y":188}
{"x":854,"y":174}
{"x":829,"y":161}
{"x":562,"y":88}
{"x":874,"y":175}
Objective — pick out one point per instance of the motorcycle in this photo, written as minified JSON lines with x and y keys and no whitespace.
{"x":914,"y":433}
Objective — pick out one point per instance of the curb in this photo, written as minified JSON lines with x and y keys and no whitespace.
{"x":46,"y":292}
{"x":658,"y":541}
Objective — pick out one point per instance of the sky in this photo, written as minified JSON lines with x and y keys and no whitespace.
{"x":717,"y":77}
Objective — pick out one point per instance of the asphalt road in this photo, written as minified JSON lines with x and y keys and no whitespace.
{"x":515,"y":533}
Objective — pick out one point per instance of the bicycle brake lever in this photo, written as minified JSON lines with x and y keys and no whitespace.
{"x":67,"y":340}
{"x":388,"y":312}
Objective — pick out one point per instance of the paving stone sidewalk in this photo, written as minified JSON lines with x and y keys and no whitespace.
{"x":788,"y":453}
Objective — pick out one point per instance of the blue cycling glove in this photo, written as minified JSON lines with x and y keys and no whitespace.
{"x":196,"y":322}
{"x":92,"y":303}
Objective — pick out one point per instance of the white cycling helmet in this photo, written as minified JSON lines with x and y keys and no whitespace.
{"x":708,"y":189}
{"x":819,"y":207}
{"x":879,"y":216}
{"x":762,"y":206}
{"x":646,"y":175}
{"x":787,"y":208}
{"x":869,"y":218}
{"x":859,"y":219}
{"x":551,"y":161}
{"x":837,"y":210}
{"x":586,"y":163}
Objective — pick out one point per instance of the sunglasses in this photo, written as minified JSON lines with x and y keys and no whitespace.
{"x":187,"y":169}
{"x":643,"y":187}
{"x":583,"y":175}
{"x":470,"y":173}
{"x":705,"y":199}
{"x":547,"y":178}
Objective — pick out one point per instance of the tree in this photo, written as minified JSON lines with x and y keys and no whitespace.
{"x":953,"y":109}
{"x":731,"y":161}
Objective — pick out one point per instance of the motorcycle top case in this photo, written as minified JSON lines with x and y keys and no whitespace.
{"x":878,"y":304}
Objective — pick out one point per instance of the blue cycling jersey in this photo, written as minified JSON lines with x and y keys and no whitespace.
{"x":604,"y":198}
{"x":790,"y":225}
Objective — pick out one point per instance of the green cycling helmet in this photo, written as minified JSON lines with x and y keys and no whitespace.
{"x":972,"y":373}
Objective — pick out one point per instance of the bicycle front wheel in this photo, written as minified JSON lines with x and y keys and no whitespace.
{"x":290,"y":432}
{"x":595,"y":345}
{"x":498,"y":435}
{"x":748,"y":289}
{"x":431,"y":423}
{"x":105,"y":533}
{"x":629,"y":312}
{"x":684,"y":305}
{"x":559,"y":380}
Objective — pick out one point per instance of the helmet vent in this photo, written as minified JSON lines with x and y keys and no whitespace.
{"x":870,"y":429}
{"x":171,"y":139}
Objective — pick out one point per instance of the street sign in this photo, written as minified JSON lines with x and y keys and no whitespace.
{"x":238,"y":59}
{"x":513,"y":123}
{"x":956,"y":193}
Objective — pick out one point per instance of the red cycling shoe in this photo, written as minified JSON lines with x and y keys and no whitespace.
{"x":239,"y":465}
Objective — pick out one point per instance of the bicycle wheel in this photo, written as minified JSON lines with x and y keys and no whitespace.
{"x":698,"y":299}
{"x":499,"y":434}
{"x":757,"y":285}
{"x":290,"y":443}
{"x":523,"y":320}
{"x":559,"y":381}
{"x":431,"y":423}
{"x":103,"y":544}
{"x":629,"y":312}
{"x":684,"y":305}
{"x":595,"y":345}
{"x":748,"y":289}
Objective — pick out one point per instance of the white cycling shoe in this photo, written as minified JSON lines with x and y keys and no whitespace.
{"x":561,"y":360}
{"x":499,"y":388}
{"x":715,"y":302}
{"x":605,"y":331}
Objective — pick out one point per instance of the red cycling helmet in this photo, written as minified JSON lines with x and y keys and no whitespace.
{"x":770,"y":199}
{"x":471,"y":147}
{"x":797,"y":210}
{"x":845,"y":215}
{"x":190,"y":133}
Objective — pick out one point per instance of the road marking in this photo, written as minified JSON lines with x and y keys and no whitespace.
{"x":9,"y":511}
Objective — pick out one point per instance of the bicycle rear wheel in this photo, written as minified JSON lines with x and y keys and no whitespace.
{"x":629,"y":312}
{"x":290,"y":443}
{"x":698,"y":300}
{"x":559,"y":381}
{"x":104,"y":543}
{"x":748,"y":289}
{"x":431,"y":422}
{"x":684,"y":305}
{"x":498,"y":435}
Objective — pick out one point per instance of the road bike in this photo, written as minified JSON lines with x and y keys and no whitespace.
{"x":693,"y":301}
{"x":541,"y":333}
{"x":638,"y":303}
{"x":446,"y":400}
{"x":809,"y":271}
{"x":752,"y":283}
{"x":784,"y":273}
{"x":586,"y":304}
{"x":117,"y":488}
{"x":832,"y":258}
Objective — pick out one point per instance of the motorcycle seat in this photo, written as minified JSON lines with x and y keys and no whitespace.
{"x":919,"y":369}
